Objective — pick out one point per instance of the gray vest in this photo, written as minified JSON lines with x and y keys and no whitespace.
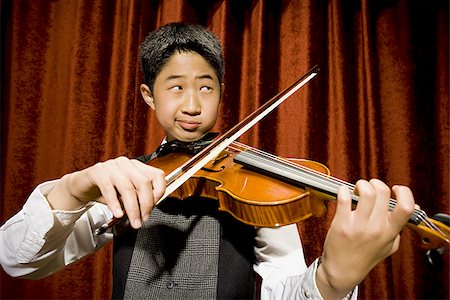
{"x":188,"y":249}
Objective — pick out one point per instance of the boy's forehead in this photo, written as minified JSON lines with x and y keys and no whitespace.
{"x":185,"y":63}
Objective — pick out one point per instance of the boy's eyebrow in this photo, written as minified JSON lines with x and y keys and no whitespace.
{"x":204,"y":76}
{"x":175,"y":76}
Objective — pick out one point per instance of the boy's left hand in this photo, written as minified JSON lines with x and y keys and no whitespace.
{"x":361,"y":238}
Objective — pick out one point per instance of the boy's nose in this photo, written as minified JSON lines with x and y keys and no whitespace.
{"x":191,"y":105}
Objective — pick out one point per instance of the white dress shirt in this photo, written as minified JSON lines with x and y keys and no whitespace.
{"x":39,"y":241}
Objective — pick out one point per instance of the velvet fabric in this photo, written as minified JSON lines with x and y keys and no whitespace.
{"x":379,"y":107}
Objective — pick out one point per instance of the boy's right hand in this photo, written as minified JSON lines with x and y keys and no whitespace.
{"x":119,"y":183}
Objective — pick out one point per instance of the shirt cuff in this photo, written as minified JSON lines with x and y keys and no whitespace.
{"x":43,"y":223}
{"x":310,"y":290}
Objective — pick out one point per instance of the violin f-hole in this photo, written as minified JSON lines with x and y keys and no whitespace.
{"x":217,"y":160}
{"x":212,"y":170}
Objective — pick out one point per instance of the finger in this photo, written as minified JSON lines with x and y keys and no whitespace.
{"x":395,"y":245}
{"x":126,"y":189}
{"x":159,"y":188}
{"x":157,"y":176}
{"x":150,"y":185}
{"x":98,"y":176}
{"x":382,"y":200}
{"x":404,"y":207}
{"x":142,"y":185}
{"x":366,"y":201}
{"x":344,"y":203}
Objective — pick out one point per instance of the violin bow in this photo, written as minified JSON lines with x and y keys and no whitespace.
{"x":181,"y":174}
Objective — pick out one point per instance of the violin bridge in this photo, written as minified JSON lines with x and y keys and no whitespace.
{"x":219,"y":158}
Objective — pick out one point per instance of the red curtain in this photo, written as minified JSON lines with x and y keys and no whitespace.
{"x":379,"y":107}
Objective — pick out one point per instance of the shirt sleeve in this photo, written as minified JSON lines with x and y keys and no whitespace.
{"x":39,"y":241}
{"x":282,"y":268}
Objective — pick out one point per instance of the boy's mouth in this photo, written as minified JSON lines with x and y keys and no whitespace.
{"x":188,"y":125}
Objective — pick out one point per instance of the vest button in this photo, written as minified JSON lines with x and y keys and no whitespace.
{"x":170,"y":284}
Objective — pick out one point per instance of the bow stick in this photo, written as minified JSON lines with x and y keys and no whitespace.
{"x":181,"y":174}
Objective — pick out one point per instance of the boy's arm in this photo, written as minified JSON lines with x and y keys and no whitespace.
{"x":37,"y":241}
{"x":44,"y":237}
{"x":122,"y":184}
{"x":282,"y":267}
{"x":358,"y":239}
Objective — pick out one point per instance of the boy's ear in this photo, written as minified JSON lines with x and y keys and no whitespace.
{"x":147,"y":95}
{"x":222,"y":90}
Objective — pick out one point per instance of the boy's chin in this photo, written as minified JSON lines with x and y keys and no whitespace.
{"x":188,"y":136}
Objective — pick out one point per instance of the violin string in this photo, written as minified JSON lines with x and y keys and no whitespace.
{"x":333,"y":182}
{"x":330,"y":180}
{"x":432,"y":226}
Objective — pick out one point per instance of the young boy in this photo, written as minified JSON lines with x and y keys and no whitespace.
{"x":188,"y":249}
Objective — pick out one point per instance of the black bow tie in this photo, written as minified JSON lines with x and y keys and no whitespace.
{"x":191,"y":148}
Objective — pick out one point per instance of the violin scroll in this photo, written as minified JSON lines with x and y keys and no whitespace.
{"x":433,"y":234}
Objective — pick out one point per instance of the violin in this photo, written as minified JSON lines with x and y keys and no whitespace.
{"x":289,"y":190}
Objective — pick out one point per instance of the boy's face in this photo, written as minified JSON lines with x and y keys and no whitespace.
{"x":186,"y":96}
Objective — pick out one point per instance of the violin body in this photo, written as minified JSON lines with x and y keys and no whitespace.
{"x":252,"y":198}
{"x":260,"y":199}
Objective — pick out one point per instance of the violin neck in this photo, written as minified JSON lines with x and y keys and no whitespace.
{"x":301,"y":176}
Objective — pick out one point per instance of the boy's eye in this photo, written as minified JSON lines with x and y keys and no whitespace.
{"x":206,"y":88}
{"x":176,"y":88}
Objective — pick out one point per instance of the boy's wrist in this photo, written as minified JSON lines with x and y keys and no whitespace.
{"x":60,"y":197}
{"x":331,"y":284}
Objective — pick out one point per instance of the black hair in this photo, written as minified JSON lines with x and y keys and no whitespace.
{"x":160,"y":44}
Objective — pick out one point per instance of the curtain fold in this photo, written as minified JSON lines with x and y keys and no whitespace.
{"x":379,"y":107}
